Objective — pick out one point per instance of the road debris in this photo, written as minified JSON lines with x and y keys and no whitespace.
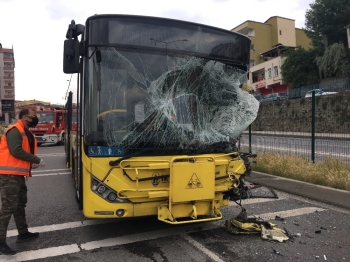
{"x":291,"y":235}
{"x":279,"y":218}
{"x":277,"y":252}
{"x":241,"y":224}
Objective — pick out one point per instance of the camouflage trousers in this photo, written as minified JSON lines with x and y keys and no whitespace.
{"x":13,"y":191}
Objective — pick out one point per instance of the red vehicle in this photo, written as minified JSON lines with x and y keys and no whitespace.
{"x":50,"y":129}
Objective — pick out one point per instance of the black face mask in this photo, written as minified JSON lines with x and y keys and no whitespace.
{"x":34,"y":122}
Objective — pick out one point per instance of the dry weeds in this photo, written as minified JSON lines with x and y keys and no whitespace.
{"x":329,"y":172}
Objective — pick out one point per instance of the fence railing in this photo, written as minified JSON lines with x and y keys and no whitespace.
{"x":313,"y":128}
{"x":338,"y":85}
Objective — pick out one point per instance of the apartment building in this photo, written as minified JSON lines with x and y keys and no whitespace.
{"x":268,"y":40}
{"x":7,"y":85}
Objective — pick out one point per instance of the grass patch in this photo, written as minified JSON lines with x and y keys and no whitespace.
{"x":329,"y":172}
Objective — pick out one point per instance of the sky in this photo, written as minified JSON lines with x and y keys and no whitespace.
{"x":36,"y":30}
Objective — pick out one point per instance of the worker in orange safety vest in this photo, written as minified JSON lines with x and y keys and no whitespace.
{"x":17,"y":158}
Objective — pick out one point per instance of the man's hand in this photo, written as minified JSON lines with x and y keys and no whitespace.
{"x":34,"y":166}
{"x":42,"y":163}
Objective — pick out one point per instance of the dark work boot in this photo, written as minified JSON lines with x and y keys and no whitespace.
{"x":6,"y":250}
{"x":26,"y":237}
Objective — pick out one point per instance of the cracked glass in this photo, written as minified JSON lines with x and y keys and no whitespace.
{"x":160,"y":100}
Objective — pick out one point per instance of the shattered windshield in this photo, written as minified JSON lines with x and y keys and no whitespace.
{"x":160,"y":86}
{"x":179,"y":104}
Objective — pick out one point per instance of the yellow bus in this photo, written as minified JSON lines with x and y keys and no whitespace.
{"x":159,"y":109}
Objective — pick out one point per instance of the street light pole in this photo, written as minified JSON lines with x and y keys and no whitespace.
{"x":65,"y":98}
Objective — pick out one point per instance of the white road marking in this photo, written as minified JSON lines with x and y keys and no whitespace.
{"x":74,"y":248}
{"x":42,"y":253}
{"x":202,"y":248}
{"x":291,"y":212}
{"x":49,"y":155}
{"x":69,"y":225}
{"x":49,"y":170}
{"x":255,"y":201}
{"x":55,"y":174}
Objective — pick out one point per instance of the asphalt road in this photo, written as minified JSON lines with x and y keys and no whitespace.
{"x":65,"y":235}
{"x":301,"y":146}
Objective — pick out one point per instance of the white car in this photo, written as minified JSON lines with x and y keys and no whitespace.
{"x":319,"y":92}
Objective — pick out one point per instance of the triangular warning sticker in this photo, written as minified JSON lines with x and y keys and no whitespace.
{"x":194,"y":182}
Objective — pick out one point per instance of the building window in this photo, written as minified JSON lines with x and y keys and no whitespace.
{"x":280,"y":32}
{"x":252,"y":48}
{"x":275,"y":71}
{"x":251,"y":32}
{"x":8,"y":55}
{"x":9,"y":84}
{"x":269,"y":73}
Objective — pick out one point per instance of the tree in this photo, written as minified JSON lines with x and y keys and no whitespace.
{"x":325,"y":22}
{"x":299,"y":68}
{"x":334,"y":62}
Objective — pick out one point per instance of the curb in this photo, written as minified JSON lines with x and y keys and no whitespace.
{"x":337,"y":197}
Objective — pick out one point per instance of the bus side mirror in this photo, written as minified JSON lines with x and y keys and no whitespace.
{"x":71,"y":54}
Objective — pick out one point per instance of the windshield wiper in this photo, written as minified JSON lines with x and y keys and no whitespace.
{"x":116,"y":162}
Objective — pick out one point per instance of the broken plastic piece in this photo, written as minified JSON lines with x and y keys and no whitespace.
{"x":241,"y":224}
{"x":279,"y":218}
{"x":273,"y":234}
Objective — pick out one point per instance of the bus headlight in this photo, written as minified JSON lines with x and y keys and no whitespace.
{"x":101,"y":189}
{"x":112,"y":196}
{"x":105,"y":192}
{"x":120,"y":212}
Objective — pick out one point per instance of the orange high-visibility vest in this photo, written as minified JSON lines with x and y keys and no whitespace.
{"x":10,"y":165}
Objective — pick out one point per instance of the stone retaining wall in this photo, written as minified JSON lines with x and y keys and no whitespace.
{"x":332,"y":115}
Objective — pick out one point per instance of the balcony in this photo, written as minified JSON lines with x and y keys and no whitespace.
{"x":8,"y":77}
{"x":9,"y":96}
{"x":9,"y":87}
